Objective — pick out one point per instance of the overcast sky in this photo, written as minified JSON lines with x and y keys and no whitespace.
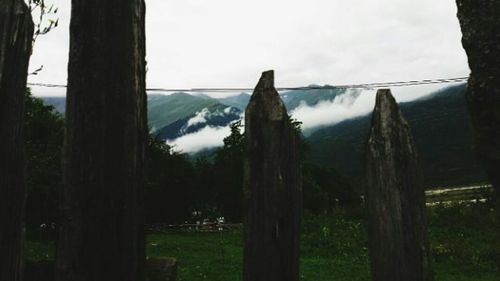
{"x":228,"y":43}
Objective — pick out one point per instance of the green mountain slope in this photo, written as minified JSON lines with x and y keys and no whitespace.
{"x":166,"y":109}
{"x":239,"y":101}
{"x":293,"y":99}
{"x":439,"y":124}
{"x":441,"y":130}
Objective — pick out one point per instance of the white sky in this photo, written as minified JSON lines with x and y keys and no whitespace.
{"x":228,"y":43}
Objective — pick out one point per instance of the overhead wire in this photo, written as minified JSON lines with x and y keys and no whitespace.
{"x":367,"y":86}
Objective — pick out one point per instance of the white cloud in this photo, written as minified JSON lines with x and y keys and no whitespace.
{"x":227,"y":110}
{"x":208,"y":137}
{"x":350,"y":105}
{"x":228,"y":43}
{"x":346,"y":106}
{"x":199,"y":118}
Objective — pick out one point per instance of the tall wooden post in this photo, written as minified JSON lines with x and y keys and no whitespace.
{"x":395,"y":203}
{"x":480,"y":23}
{"x":101,"y":237}
{"x":272,"y":188}
{"x":16,"y":34}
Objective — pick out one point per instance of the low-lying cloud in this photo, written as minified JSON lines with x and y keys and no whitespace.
{"x":326,"y":113}
{"x":199,"y":118}
{"x":352,"y":104}
{"x":208,"y":137}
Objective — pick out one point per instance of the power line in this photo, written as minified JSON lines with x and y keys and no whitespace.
{"x":326,"y":87}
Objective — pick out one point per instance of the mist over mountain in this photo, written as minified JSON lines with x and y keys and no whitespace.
{"x":164,"y":110}
{"x":440,"y":126}
{"x":335,"y":123}
{"x":239,"y":101}
{"x":217,"y":115}
{"x":296,"y":98}
{"x":177,"y":115}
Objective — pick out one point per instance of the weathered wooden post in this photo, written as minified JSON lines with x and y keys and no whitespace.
{"x":102,"y":237}
{"x":16,"y":34}
{"x":480,"y":23}
{"x":272,"y":188}
{"x":395,"y":203}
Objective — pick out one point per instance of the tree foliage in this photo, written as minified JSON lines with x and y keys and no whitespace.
{"x":176,"y":185}
{"x":44,"y":132}
{"x":168,"y":185}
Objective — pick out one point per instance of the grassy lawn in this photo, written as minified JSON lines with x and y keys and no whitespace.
{"x":333,"y":248}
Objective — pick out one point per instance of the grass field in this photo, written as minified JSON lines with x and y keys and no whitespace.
{"x":333,"y":248}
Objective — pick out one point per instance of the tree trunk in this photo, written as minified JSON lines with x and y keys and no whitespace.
{"x":272,"y":188}
{"x":101,"y":236}
{"x":480,"y":23}
{"x":395,"y":203}
{"x":16,"y":33}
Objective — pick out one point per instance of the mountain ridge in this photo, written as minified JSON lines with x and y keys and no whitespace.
{"x":439,"y":122}
{"x":440,"y":125}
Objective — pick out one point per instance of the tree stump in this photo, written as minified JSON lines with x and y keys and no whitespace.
{"x":16,"y":34}
{"x":395,"y":203}
{"x":101,"y":236}
{"x":480,"y":23}
{"x":272,"y":188}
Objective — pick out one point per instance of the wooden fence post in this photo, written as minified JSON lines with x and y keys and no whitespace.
{"x":272,"y":188}
{"x":16,"y":35}
{"x":101,"y":226}
{"x":480,"y":23}
{"x":395,"y":203}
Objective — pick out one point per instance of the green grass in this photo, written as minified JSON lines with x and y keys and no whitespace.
{"x":37,"y":251}
{"x":333,"y":248}
{"x":204,"y":256}
{"x":201,"y":256}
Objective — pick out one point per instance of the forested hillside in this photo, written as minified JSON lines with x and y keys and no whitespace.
{"x":438,"y":121}
{"x":440,"y":125}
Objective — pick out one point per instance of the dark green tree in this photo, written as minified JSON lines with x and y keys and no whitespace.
{"x":168,"y":196}
{"x":44,"y":133}
{"x":325,"y":189}
{"x":228,"y":165}
{"x":220,"y":181}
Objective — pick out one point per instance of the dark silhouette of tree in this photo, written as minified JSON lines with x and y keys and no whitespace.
{"x":16,"y":33}
{"x":101,"y":228}
{"x":325,"y":189}
{"x":169,"y":197}
{"x":228,"y":165}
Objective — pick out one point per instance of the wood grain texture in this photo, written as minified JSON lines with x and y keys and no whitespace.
{"x":480,"y":24}
{"x":101,"y":234}
{"x":16,"y":33}
{"x":395,"y":204}
{"x":272,"y":188}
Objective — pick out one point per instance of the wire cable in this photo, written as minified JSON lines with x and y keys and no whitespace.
{"x":367,"y":86}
